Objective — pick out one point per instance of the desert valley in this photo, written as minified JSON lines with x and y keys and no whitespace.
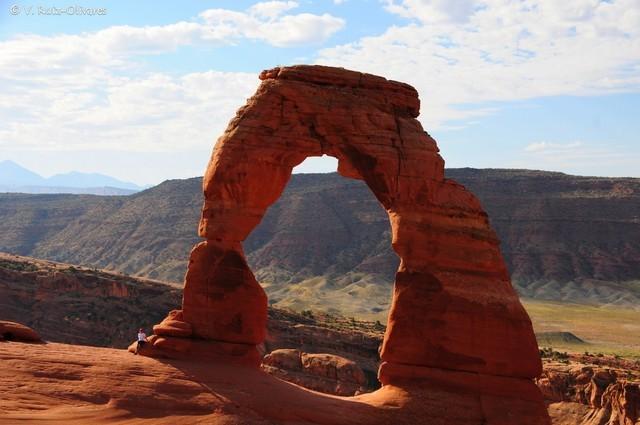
{"x":584,"y":279}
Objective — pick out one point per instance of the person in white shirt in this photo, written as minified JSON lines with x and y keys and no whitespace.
{"x":142,"y":339}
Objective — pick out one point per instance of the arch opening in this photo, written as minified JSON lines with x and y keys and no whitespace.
{"x":317,"y":164}
{"x":324,"y":240}
{"x":323,"y":251}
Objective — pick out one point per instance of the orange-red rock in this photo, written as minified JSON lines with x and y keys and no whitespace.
{"x":71,"y":384}
{"x":327,"y":373}
{"x":174,"y":325}
{"x":222,"y":299}
{"x":199,"y":350}
{"x":590,"y":395}
{"x":12,"y":331}
{"x":453,"y":305}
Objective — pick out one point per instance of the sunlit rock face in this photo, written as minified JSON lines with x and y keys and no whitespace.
{"x":455,"y":318}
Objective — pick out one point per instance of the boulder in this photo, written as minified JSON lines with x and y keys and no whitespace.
{"x":12,"y":331}
{"x":326,"y":373}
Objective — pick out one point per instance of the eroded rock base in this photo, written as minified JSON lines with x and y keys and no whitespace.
{"x":173,"y":339}
{"x":501,"y":400}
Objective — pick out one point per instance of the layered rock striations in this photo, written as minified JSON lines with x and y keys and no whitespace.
{"x":563,"y":237}
{"x":584,"y":394}
{"x":455,"y":320}
{"x":73,"y":304}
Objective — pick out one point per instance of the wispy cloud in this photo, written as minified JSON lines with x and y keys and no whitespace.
{"x":154,"y":113}
{"x":474,"y":51}
{"x":268,"y":22}
{"x":546,"y":147}
{"x":88,"y":91}
{"x":578,"y":157}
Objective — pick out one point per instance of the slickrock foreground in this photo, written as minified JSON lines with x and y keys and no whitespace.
{"x":66,"y":384}
{"x":455,"y":322}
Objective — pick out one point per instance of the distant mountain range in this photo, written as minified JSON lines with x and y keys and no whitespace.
{"x":17,"y":179}
{"x":325,"y":243}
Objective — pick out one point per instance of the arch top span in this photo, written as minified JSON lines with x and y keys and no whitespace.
{"x":453,"y":305}
{"x":365,"y":121}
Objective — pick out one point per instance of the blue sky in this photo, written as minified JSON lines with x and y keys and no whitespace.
{"x":142,"y":91}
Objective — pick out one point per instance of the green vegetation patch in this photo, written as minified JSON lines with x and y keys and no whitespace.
{"x":18,"y":266}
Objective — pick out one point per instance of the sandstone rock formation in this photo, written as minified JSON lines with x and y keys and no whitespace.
{"x":580,"y":394}
{"x":455,"y":319}
{"x":12,"y":331}
{"x":70,"y":384}
{"x":326,"y":373}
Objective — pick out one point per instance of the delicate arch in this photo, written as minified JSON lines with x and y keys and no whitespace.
{"x":453,"y":305}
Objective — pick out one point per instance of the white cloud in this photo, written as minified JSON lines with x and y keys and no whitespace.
{"x":86,"y":91}
{"x":111,"y":47}
{"x":546,"y":147}
{"x":578,"y":157}
{"x":267,"y":22}
{"x":156,"y":113}
{"x":433,"y":10}
{"x":272,"y":9}
{"x":470,"y":52}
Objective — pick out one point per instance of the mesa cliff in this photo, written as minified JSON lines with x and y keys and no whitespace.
{"x":564,"y":238}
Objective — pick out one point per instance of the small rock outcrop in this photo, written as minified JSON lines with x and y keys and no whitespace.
{"x":318,"y":335}
{"x":455,"y":318}
{"x":12,"y":331}
{"x":581,"y":394}
{"x":326,"y":373}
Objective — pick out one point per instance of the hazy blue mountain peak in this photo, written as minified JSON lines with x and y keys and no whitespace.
{"x":16,"y":178}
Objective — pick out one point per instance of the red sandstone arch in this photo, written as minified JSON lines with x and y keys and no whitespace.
{"x":453,"y":306}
